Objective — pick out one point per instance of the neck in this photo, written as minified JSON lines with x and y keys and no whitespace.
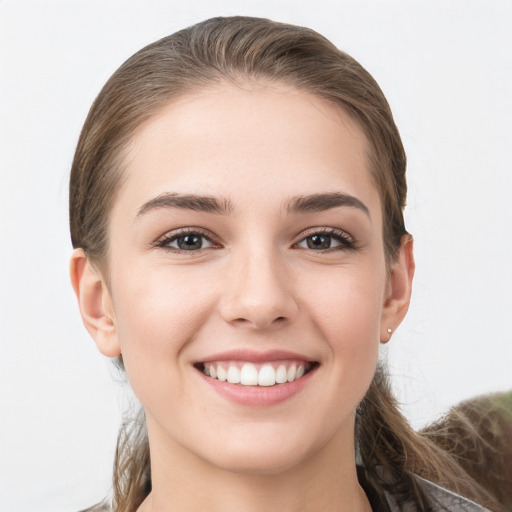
{"x":327,"y":481}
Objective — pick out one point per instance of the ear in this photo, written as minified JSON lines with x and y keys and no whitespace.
{"x":398,"y":289}
{"x":95,"y":304}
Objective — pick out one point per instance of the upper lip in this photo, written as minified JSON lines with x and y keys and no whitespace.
{"x":254,"y":356}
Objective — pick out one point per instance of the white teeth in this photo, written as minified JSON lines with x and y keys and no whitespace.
{"x":233,"y":375}
{"x":221,"y":374}
{"x":249,"y":375}
{"x":292,"y":371}
{"x":281,"y":374}
{"x":266,"y":376}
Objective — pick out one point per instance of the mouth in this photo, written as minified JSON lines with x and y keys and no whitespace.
{"x":263,"y":374}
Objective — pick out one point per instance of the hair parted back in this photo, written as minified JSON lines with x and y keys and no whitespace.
{"x":241,"y":49}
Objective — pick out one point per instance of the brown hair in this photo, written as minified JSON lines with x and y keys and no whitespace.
{"x":478,"y":434}
{"x":240,"y":49}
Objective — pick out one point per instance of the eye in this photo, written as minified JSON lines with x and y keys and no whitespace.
{"x":190,"y":242}
{"x":185,"y":241}
{"x":326,"y":239}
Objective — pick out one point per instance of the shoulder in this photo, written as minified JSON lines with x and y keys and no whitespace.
{"x":441,"y":499}
{"x":448,"y":500}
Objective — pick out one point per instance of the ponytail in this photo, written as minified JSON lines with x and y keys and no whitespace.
{"x":391,"y":451}
{"x":132,"y":469}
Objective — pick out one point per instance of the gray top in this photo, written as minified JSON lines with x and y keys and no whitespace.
{"x":441,"y":499}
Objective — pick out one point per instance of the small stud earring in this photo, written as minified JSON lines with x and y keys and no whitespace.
{"x":390,"y":330}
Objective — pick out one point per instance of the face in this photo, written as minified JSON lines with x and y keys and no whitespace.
{"x":246,"y":244}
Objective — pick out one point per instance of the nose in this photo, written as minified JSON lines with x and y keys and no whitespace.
{"x":258,"y":293}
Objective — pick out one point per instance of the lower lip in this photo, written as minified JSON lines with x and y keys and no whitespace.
{"x":258,"y":396}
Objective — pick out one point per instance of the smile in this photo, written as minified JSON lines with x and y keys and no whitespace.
{"x":256,"y":374}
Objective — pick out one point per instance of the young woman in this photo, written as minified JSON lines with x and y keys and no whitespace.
{"x":236,"y":211}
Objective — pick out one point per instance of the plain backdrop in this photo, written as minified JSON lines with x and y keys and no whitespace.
{"x":446,"y":68}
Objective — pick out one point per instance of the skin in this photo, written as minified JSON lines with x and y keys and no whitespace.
{"x":255,"y":284}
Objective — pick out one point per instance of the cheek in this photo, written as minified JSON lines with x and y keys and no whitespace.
{"x":349,"y":300}
{"x":157,"y":315}
{"x":347,"y":313}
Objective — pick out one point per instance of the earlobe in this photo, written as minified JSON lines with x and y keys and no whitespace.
{"x":398,"y":290}
{"x":94,"y":302}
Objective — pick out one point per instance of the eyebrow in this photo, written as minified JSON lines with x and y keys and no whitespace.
{"x":208,"y":204}
{"x":223,"y":206}
{"x":325,"y":201}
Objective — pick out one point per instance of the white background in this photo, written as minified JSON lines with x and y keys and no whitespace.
{"x":446,"y":68}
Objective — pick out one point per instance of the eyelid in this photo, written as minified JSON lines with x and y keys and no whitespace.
{"x":323,"y":230}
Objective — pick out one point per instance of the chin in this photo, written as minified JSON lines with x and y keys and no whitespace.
{"x":260,"y":462}
{"x":268,"y":450}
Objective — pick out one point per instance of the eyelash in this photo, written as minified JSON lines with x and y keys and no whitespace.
{"x":346,"y":241}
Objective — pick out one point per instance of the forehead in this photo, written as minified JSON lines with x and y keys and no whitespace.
{"x":245,"y":140}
